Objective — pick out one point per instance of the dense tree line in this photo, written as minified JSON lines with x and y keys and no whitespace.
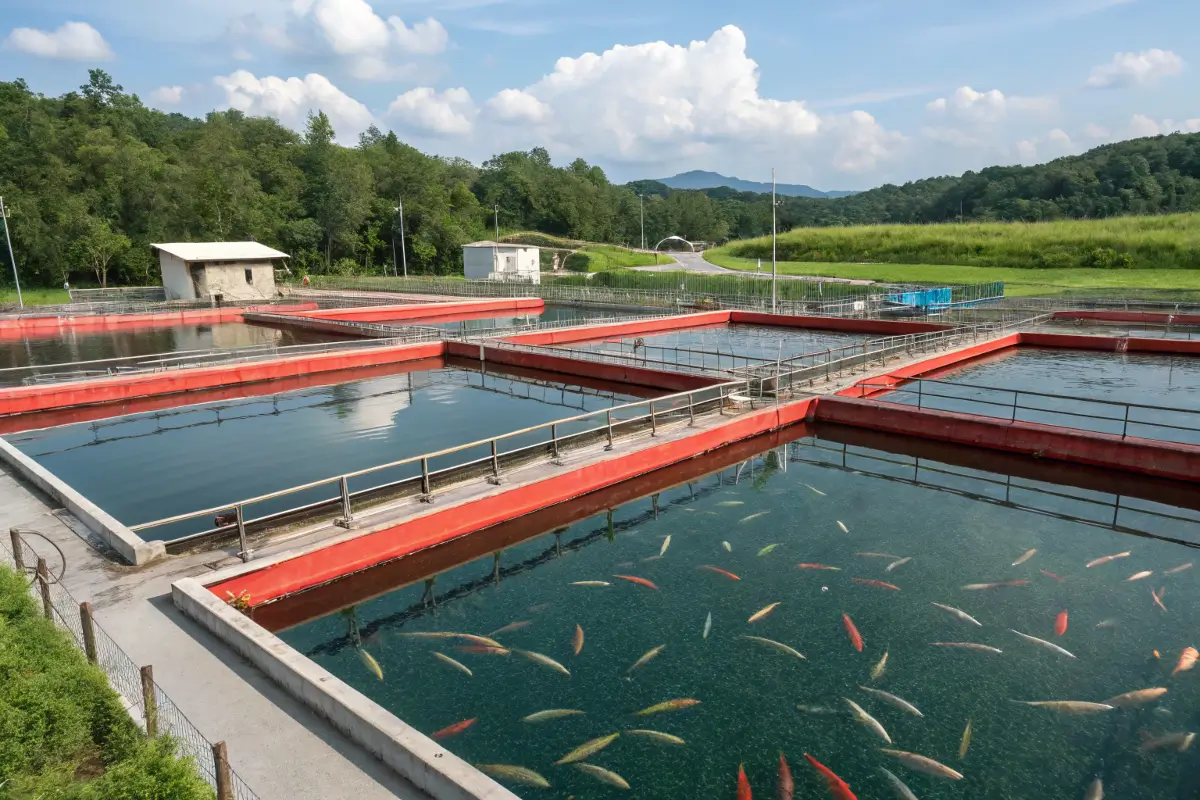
{"x":91,"y":178}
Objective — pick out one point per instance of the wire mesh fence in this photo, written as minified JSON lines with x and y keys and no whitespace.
{"x":135,"y":685}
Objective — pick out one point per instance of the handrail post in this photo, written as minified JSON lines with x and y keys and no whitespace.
{"x":244,"y":551}
{"x":426,"y":495}
{"x":43,"y":578}
{"x":554,"y":440}
{"x":495,"y":476}
{"x":149,"y":702}
{"x":920,"y":383}
{"x":608,"y":419}
{"x":653,"y":421}
{"x":1125,"y":426}
{"x":721,"y":400}
{"x":1014,"y":405}
{"x":18,"y":549}
{"x":87,"y":623}
{"x":347,"y":518}
{"x":691,"y":410}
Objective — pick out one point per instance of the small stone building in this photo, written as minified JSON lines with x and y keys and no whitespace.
{"x":218,"y":271}
{"x":489,"y":261}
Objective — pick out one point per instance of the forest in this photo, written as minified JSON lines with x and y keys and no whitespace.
{"x":92,"y":177}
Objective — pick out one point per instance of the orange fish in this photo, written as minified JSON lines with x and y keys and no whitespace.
{"x":837,"y":787}
{"x":817,"y":566}
{"x":787,"y":786}
{"x":577,"y":640}
{"x":855,"y":637}
{"x":1060,"y":623}
{"x":743,"y":785}
{"x":455,"y":729}
{"x":880,"y":584}
{"x":637,"y":580}
{"x":720,"y":571}
{"x":1051,"y":575}
{"x":1156,"y":655}
{"x":1187,"y":660}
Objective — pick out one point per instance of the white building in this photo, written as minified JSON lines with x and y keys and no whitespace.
{"x":489,"y":261}
{"x":220,"y":271}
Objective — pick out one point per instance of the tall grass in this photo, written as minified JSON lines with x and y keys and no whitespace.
{"x":1161,"y":242}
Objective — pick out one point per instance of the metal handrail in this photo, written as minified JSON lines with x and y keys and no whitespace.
{"x":611,"y":357}
{"x":665,"y":403}
{"x":1016,"y":405}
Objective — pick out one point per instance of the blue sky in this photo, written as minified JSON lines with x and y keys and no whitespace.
{"x":840,"y":95}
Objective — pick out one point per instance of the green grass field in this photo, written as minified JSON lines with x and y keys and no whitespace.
{"x":1141,"y":243}
{"x":34,"y":296}
{"x":1016,"y":281}
{"x":601,"y":258}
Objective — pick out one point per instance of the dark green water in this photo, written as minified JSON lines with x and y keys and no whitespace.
{"x":750,"y":694}
{"x":149,"y":466}
{"x":755,"y":341}
{"x":551,"y":314}
{"x":1152,"y":380}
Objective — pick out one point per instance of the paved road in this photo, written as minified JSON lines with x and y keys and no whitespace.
{"x":694,"y":262}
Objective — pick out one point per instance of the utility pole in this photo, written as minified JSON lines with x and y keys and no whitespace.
{"x":497,"y":223}
{"x":403,"y":251}
{"x":11,"y":257}
{"x":774,"y":276}
{"x":642,"y":215}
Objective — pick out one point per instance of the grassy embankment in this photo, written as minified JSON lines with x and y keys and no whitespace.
{"x":35,"y":296}
{"x":1161,"y":253}
{"x":584,"y":256}
{"x":63,"y":731}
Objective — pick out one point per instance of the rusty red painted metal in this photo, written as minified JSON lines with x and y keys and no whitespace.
{"x":883,"y":327}
{"x":23,"y":327}
{"x":418,"y":311}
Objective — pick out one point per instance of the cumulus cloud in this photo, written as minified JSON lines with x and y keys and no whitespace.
{"x":1140,"y":126}
{"x":992,"y":106}
{"x":167,"y":95}
{"x":74,"y":41}
{"x":1146,"y":68}
{"x":448,"y":113}
{"x":291,"y":100}
{"x":658,"y":102}
{"x":1054,"y":144}
{"x":1094,"y":131}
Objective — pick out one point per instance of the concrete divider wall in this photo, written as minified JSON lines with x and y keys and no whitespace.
{"x":591,"y":333}
{"x":18,"y":327}
{"x":125,"y":542}
{"x":1145,"y":317}
{"x":417,"y":311}
{"x":883,"y":327}
{"x":431,"y":768}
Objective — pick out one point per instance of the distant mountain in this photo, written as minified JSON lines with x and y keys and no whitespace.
{"x":699,"y":179}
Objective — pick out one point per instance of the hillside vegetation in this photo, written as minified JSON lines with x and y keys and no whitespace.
{"x":1160,"y":242}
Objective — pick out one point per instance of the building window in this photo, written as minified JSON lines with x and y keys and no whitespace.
{"x":249,"y":275}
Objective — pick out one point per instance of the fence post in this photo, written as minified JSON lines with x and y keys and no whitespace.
{"x":691,"y":410}
{"x":426,"y":496}
{"x":221,"y":768}
{"x":347,"y":519}
{"x":653,"y":421}
{"x":243,"y":548}
{"x":87,"y":623}
{"x":1014,"y":407}
{"x":18,"y":550}
{"x":43,"y":577}
{"x":554,"y":440}
{"x":149,"y":701}
{"x":608,"y":417}
{"x":920,"y":383}
{"x":495,"y":479}
{"x":1125,"y":425}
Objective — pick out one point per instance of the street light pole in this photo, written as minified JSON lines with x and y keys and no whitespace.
{"x":11,"y":257}
{"x":774,"y":278}
{"x":642,"y":216}
{"x":497,"y":223}
{"x":403,"y":250}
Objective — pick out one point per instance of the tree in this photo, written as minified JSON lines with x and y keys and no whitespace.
{"x":97,"y":245}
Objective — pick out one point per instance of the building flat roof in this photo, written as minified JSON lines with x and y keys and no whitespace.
{"x":500,"y":244}
{"x":220,"y":251}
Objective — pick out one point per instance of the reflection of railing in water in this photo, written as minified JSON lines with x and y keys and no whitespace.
{"x":431,"y":601}
{"x":1125,"y":414}
{"x":917,"y":465}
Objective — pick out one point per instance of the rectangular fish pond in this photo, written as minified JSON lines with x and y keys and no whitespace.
{"x":467,"y":324}
{"x":700,"y":346}
{"x":827,"y":596}
{"x":1166,"y":387}
{"x":149,"y":466}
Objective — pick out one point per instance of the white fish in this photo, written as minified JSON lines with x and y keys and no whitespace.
{"x":1137,"y":698}
{"x":551,"y":713}
{"x":780,"y":646}
{"x":1173,"y":741}
{"x":755,"y":516}
{"x":590,"y":583}
{"x":707,"y":625}
{"x":601,"y":774}
{"x":646,"y":658}
{"x":813,"y":489}
{"x":898,"y":702}
{"x":1108,"y":623}
{"x":545,"y":661}
{"x":1095,"y":791}
{"x":1044,"y":643}
{"x":964,"y":616}
{"x":842,"y":525}
{"x":878,"y":555}
{"x":900,"y":562}
{"x":983,"y":648}
{"x":1028,"y":554}
{"x":657,"y":736}
{"x":922,"y":764}
{"x":448,"y":660}
{"x":820,"y":710}
{"x":666,"y":543}
{"x":728,"y":547}
{"x":1075,"y":708}
{"x":901,"y":790}
{"x":878,"y":670}
{"x":862,"y":716}
{"x":1137,"y":576}
{"x":1095,"y":562}
{"x":728,"y":503}
{"x":1180,"y":568}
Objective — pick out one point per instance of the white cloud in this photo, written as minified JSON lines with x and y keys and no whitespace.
{"x":1094,"y":131}
{"x":992,"y":106}
{"x":1141,"y":125}
{"x":1146,"y":68}
{"x":425,"y":38}
{"x":74,"y":41}
{"x":291,"y":100}
{"x":428,"y":111}
{"x":657,"y":102}
{"x":167,"y":95}
{"x":1192,"y":125}
{"x":514,"y":105}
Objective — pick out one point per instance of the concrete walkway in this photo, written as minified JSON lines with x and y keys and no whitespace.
{"x":278,"y":747}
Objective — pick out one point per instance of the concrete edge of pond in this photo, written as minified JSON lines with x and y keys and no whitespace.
{"x":127,"y":544}
{"x":412,"y":754}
